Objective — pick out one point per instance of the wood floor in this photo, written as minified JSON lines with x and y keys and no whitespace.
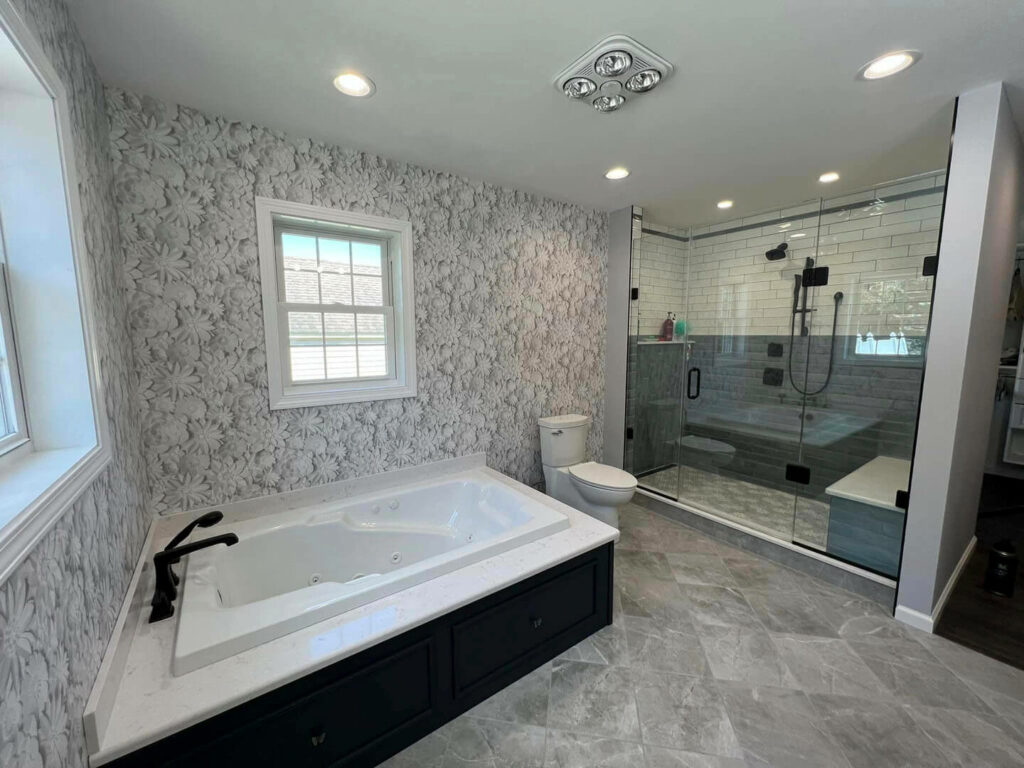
{"x":981,"y":621}
{"x":988,"y":624}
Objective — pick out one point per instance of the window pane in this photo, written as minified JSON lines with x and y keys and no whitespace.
{"x":336,"y":289}
{"x":366,"y":258}
{"x":340,"y":335}
{"x":372,"y":345}
{"x":298,"y":251}
{"x":8,"y":422}
{"x":301,"y":287}
{"x":334,"y":256}
{"x":306,"y":345}
{"x":369,"y":291}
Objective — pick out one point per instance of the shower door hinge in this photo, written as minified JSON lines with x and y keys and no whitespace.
{"x":629,"y":433}
{"x":634,"y":293}
{"x":815,"y":276}
{"x":902,"y":500}
{"x":798,"y":473}
{"x":930,"y":266}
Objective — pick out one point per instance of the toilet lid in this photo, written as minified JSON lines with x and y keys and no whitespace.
{"x":602,"y":476}
{"x":705,"y":444}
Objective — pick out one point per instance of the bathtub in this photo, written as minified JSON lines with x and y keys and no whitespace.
{"x":292,"y":569}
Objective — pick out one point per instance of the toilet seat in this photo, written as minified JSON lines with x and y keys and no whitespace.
{"x":602,"y":476}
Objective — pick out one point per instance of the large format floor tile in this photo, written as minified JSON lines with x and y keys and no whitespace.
{"x":593,"y":699}
{"x":720,"y":659}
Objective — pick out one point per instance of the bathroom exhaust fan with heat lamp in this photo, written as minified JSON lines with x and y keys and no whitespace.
{"x":615,"y":70}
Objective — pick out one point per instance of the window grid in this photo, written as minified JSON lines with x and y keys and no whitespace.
{"x":345,"y":351}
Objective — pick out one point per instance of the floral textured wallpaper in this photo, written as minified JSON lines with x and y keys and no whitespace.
{"x":58,"y":608}
{"x":510,"y":310}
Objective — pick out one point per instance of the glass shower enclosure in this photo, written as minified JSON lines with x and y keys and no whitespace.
{"x":775,"y":366}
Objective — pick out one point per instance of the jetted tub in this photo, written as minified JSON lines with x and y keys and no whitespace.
{"x":292,"y":569}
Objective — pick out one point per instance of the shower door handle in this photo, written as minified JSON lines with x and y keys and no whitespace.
{"x":691,"y":392}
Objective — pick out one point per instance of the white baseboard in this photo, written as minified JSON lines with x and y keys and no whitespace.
{"x":922,"y":620}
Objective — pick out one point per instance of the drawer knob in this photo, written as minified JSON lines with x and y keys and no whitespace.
{"x":318,"y":737}
{"x":536,"y":622}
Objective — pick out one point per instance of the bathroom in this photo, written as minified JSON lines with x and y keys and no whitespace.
{"x":340,"y":423}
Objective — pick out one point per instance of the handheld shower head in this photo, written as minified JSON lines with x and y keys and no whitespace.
{"x":776,"y":253}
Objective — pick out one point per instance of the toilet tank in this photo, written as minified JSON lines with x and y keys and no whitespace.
{"x":563,"y":439}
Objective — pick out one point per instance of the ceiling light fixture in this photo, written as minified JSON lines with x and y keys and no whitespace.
{"x":579,"y":87}
{"x":354,"y":84}
{"x":618,"y":172}
{"x":613,"y":63}
{"x":615,"y":66}
{"x":888,"y":64}
{"x":828,"y":177}
{"x":609,"y":103}
{"x":725,"y":204}
{"x":643,"y":81}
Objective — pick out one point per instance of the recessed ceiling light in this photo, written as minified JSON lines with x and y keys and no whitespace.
{"x":618,"y":172}
{"x":354,"y":84}
{"x":723,"y":204}
{"x":828,"y":177}
{"x":887,"y":65}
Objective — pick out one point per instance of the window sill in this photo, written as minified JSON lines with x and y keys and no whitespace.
{"x":298,"y":398}
{"x":35,"y":491}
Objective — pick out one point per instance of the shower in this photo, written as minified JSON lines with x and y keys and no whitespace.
{"x":810,"y":277}
{"x":776,"y":253}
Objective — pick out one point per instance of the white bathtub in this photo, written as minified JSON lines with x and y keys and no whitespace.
{"x":295,"y":568}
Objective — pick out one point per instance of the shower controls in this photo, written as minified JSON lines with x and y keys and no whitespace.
{"x":611,"y":70}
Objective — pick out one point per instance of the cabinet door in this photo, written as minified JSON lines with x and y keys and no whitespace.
{"x":495,"y":638}
{"x":336,"y":724}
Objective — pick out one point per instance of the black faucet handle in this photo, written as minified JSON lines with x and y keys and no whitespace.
{"x":165,"y":591}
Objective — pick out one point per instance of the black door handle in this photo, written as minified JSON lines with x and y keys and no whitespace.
{"x":691,"y":393}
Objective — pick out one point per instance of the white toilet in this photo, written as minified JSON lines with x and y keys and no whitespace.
{"x":596,"y":489}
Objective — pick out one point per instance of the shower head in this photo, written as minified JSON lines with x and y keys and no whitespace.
{"x":776,"y":253}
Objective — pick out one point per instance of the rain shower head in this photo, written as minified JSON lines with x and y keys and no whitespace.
{"x":776,"y":253}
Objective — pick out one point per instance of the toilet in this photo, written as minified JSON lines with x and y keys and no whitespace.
{"x":597,"y":489}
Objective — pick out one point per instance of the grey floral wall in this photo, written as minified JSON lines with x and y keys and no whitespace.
{"x":510,"y":294}
{"x":59,"y":606}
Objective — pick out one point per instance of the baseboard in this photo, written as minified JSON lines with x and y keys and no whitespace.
{"x":928,"y":623}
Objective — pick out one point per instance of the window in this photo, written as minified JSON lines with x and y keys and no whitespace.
{"x":337,"y":304}
{"x":889,"y":319}
{"x":53,"y":442}
{"x":13,"y":429}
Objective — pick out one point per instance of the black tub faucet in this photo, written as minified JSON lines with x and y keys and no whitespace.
{"x":203,"y":521}
{"x":166,"y":591}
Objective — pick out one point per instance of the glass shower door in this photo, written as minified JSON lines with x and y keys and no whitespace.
{"x":741,"y":421}
{"x":863,"y":380}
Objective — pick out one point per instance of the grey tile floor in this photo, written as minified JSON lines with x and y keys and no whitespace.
{"x":777,"y":513}
{"x":720,"y":659}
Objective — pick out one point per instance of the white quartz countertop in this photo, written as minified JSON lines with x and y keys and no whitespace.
{"x":875,"y":483}
{"x":137,"y":701}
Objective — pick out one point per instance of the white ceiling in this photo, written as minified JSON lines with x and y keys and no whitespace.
{"x":763,"y":98}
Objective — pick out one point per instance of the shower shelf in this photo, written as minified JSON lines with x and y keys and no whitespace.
{"x":662,"y":343}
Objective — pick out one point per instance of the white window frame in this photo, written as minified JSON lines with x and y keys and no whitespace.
{"x":66,"y":443}
{"x":395,"y":235}
{"x":12,"y":403}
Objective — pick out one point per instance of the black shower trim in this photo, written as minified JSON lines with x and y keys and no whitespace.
{"x":364,"y":709}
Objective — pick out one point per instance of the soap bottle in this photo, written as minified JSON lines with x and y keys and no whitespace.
{"x":668,"y":328}
{"x":680,"y":329}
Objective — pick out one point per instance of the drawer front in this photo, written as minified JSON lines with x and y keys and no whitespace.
{"x":334,"y":725}
{"x":495,"y":638}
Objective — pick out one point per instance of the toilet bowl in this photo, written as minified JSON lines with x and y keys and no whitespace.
{"x":597,"y":489}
